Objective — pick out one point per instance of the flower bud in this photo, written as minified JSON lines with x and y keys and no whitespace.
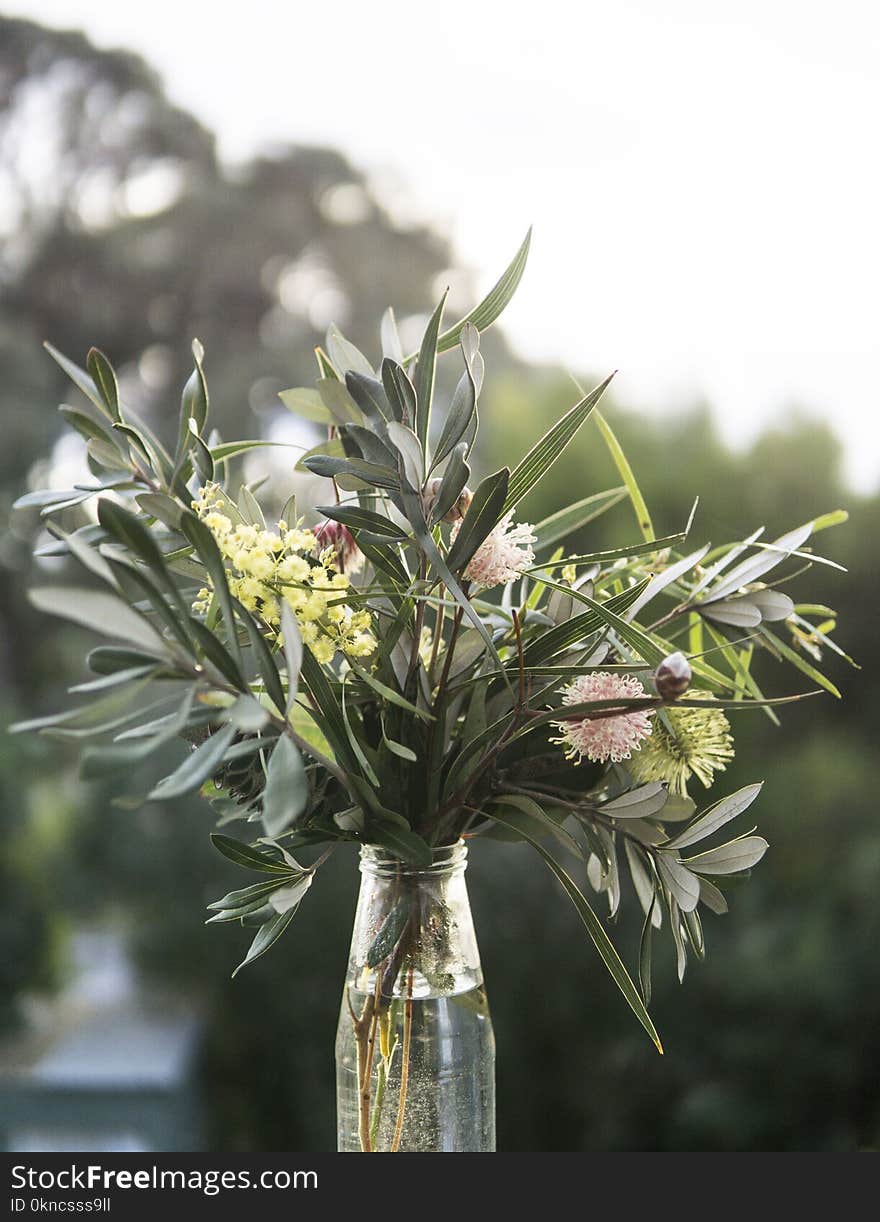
{"x":348,"y":556}
{"x":460,"y":507}
{"x":672,"y":677}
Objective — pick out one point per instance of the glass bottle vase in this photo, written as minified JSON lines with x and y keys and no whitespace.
{"x":415,"y":1050}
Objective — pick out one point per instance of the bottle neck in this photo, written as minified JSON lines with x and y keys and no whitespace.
{"x":447,"y":860}
{"x":413,"y":928}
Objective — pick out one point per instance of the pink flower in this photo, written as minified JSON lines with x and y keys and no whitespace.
{"x":603,"y":738}
{"x":503,"y":555}
{"x":349,"y":558}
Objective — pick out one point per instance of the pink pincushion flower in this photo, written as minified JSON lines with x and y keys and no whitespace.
{"x":603,"y":738}
{"x":503,"y":555}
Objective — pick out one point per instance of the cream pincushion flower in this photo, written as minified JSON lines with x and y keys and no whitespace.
{"x":603,"y":738}
{"x":503,"y":555}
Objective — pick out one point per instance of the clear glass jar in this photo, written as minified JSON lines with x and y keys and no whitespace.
{"x":415,"y":1050}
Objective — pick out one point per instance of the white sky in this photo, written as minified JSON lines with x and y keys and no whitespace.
{"x":703,"y":177}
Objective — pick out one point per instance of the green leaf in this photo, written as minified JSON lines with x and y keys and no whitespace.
{"x":599,"y":937}
{"x":307,"y":403}
{"x":402,"y":842}
{"x":245,"y":896}
{"x":645,"y":954}
{"x":263,"y":657}
{"x":424,"y":374}
{"x":389,"y":694}
{"x":216,"y":653}
{"x":107,"y":659}
{"x":80,"y":378}
{"x":327,"y":711}
{"x":90,"y":718}
{"x":390,"y":337}
{"x":389,"y":934}
{"x":339,"y":402}
{"x":755,"y":567}
{"x":739,"y":612}
{"x":205,"y":544}
{"x":459,"y":419}
{"x":400,"y":392}
{"x":495,"y":301}
{"x":566,"y":521}
{"x":453,"y":483}
{"x":796,"y":660}
{"x":164,"y":508}
{"x":249,"y":508}
{"x":104,"y":378}
{"x":358,"y":518}
{"x":286,"y":795}
{"x":684,"y":886}
{"x":634,"y":636}
{"x":626,"y":474}
{"x":564,"y":635}
{"x":483,"y":515}
{"x":544,"y":453}
{"x":244,"y":855}
{"x":332,"y":448}
{"x":643,"y":802}
{"x":415,"y":514}
{"x":716,"y":816}
{"x":130,"y":531}
{"x":99,"y":762}
{"x":293,"y":653}
{"x":730,"y":858}
{"x":266,"y":938}
{"x":84,"y":424}
{"x":371,"y":473}
{"x":354,"y":742}
{"x":345,"y":356}
{"x":411,"y":460}
{"x":194,"y":401}
{"x":196,"y":768}
{"x":231,"y":449}
{"x":529,"y":817}
{"x":247,"y":714}
{"x":102,"y":612}
{"x":399,"y":749}
{"x":836,"y":517}
{"x":369,"y":394}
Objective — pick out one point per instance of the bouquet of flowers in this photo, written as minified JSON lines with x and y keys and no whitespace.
{"x":414,"y":664}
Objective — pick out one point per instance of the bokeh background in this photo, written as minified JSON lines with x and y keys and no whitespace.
{"x":718,"y":238}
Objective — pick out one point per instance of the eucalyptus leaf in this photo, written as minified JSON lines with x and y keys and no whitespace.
{"x":201,"y":764}
{"x":267,"y":937}
{"x":104,"y":613}
{"x":307,"y":403}
{"x":286,"y":795}
{"x":244,"y":855}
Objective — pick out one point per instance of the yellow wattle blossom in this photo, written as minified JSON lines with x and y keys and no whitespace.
{"x":265,"y":566}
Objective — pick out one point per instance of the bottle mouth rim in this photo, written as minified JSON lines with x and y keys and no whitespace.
{"x":376,"y":860}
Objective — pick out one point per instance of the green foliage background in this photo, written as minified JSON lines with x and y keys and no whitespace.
{"x":773,"y":1042}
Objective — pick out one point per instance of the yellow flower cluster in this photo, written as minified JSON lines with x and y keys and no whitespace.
{"x":265,"y":566}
